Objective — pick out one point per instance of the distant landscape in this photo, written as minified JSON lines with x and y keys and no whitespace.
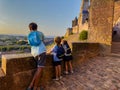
{"x":17,"y":44}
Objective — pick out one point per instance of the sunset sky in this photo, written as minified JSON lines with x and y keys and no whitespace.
{"x":52,"y":16}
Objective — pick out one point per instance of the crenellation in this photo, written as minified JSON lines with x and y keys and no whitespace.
{"x":81,"y":23}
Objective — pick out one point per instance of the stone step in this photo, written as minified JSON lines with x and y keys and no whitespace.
{"x":116,"y":47}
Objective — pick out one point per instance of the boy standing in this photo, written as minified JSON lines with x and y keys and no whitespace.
{"x":56,"y":58}
{"x":38,"y":50}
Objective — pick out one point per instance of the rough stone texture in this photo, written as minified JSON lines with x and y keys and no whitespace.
{"x":101,"y":23}
{"x":116,"y":47}
{"x":116,"y":11}
{"x":75,"y":22}
{"x":83,"y":27}
{"x":81,"y":23}
{"x":89,"y":48}
{"x":83,"y":51}
{"x":2,"y":72}
{"x":15,"y":63}
{"x":85,"y":6}
{"x":18,"y":69}
{"x":75,"y":29}
{"x":116,"y":23}
{"x":68,"y":33}
{"x":100,"y":73}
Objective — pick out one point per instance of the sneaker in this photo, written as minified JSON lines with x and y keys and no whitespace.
{"x":71,"y":72}
{"x":56,"y":79}
{"x":60,"y":77}
{"x":42,"y":88}
{"x":66,"y":72}
{"x":29,"y":88}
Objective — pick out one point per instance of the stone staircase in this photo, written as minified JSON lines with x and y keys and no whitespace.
{"x":116,"y":47}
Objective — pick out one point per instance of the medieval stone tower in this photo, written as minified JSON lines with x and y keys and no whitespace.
{"x":102,"y":20}
{"x":84,"y":15}
{"x":85,"y":11}
{"x":80,"y":23}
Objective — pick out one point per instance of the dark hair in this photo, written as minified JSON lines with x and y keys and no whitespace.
{"x":57,"y":40}
{"x":65,"y":42}
{"x":33,"y":26}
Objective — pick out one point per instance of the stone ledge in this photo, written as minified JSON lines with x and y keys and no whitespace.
{"x":12,"y":63}
{"x":2,"y":74}
{"x":86,"y":47}
{"x":15,"y":63}
{"x":14,"y":56}
{"x":19,"y":68}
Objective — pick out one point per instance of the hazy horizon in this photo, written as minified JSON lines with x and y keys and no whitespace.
{"x":47,"y":36}
{"x":53,"y":17}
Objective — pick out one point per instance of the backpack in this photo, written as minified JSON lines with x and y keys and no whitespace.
{"x":60,"y":52}
{"x":34,"y":38}
{"x":68,"y":50}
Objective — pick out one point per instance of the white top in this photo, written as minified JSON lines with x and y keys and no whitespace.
{"x":65,"y":48}
{"x":37,"y":50}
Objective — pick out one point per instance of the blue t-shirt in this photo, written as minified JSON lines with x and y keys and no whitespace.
{"x":54,"y":52}
{"x":37,"y":50}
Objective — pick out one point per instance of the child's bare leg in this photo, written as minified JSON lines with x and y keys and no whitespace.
{"x":35,"y":88}
{"x":59,"y":70}
{"x":38,"y":76}
{"x":66,"y":66}
{"x":70,"y":64}
{"x":32,"y":82}
{"x":56,"y":71}
{"x":38,"y":88}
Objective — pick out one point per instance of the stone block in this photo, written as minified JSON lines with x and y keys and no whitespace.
{"x":19,"y":70}
{"x":15,"y":63}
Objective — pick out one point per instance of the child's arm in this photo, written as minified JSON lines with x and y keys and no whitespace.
{"x":51,"y":51}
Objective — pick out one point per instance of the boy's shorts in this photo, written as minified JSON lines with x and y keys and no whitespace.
{"x":41,"y":60}
{"x":68,"y":58}
{"x":56,"y":63}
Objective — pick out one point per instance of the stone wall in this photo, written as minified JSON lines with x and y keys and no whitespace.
{"x":18,"y":69}
{"x":83,"y":27}
{"x":116,"y":11}
{"x":75,"y":22}
{"x":75,"y":29}
{"x":101,"y":23}
{"x":68,"y":32}
{"x":83,"y":51}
